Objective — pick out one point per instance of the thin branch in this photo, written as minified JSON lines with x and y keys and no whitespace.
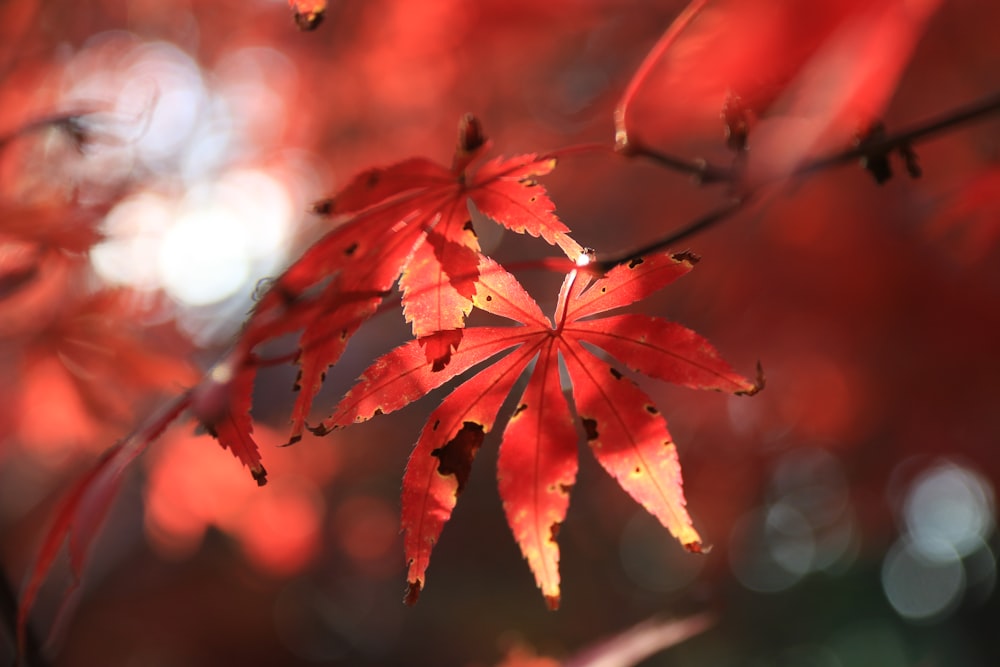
{"x":629,"y":144}
{"x":904,"y":138}
{"x":704,"y":172}
{"x":697,"y":226}
{"x":880,"y":146}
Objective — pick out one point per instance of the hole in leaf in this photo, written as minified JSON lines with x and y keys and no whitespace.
{"x":455,"y":458}
{"x":635,"y":262}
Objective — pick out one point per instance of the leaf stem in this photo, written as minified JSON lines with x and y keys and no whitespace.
{"x":623,"y":142}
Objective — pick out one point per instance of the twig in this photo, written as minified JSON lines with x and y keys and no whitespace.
{"x":880,"y":146}
{"x":904,"y":138}
{"x":699,"y":225}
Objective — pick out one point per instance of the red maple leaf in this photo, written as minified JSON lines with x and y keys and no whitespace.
{"x":411,"y":222}
{"x":800,"y":78}
{"x":538,"y":455}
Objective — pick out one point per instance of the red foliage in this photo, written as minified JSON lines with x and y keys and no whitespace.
{"x":793,"y":82}
{"x":410,"y":222}
{"x":537,"y":464}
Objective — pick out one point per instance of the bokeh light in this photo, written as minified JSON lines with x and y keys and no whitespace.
{"x":948,"y":516}
{"x":210,"y":217}
{"x":949,"y":510}
{"x":807,"y":525}
{"x":921,"y":588}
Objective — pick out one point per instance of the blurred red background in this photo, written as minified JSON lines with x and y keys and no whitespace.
{"x":850,"y":505}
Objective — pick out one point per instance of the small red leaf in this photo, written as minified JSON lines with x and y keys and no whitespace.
{"x":500,"y":293}
{"x":232,"y":425}
{"x":663,"y":350}
{"x":505,"y":189}
{"x":402,"y":376}
{"x":85,"y":506}
{"x":629,"y":437}
{"x":626,"y":283}
{"x":536,"y":468}
{"x":438,"y":467}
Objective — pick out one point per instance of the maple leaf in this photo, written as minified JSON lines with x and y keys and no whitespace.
{"x":537,"y":460}
{"x":83,"y":509}
{"x":792,"y":79}
{"x":408,"y":222}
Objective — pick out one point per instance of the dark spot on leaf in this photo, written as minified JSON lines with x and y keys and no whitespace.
{"x":373,"y":178}
{"x":686,"y":256}
{"x":351,"y":249}
{"x":259,"y":474}
{"x":378,"y":411}
{"x":343,"y":335}
{"x":615,"y":373}
{"x":455,"y":458}
{"x":532,"y":199}
{"x":638,"y":470}
{"x":437,"y":422}
{"x":322,"y":207}
{"x":696,"y":548}
{"x":308,"y":21}
{"x":651,"y":409}
{"x":412,"y":593}
{"x":635,"y":262}
{"x":590,"y":426}
{"x":322,"y":376}
{"x":521,"y":408}
{"x":489,"y":297}
{"x":553,"y":532}
{"x":604,"y":290}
